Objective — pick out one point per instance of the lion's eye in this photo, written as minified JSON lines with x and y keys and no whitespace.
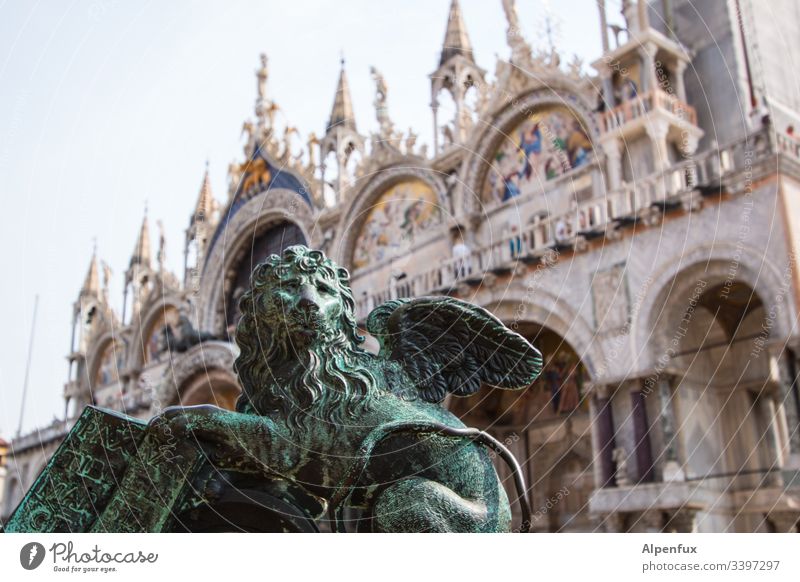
{"x":325,"y":288}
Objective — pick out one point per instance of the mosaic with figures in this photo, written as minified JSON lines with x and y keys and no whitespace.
{"x":399,"y":215}
{"x":549,"y":143}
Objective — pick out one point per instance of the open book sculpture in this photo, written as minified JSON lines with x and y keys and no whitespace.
{"x":323,"y":433}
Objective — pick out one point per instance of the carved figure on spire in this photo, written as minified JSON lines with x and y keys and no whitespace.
{"x":162,"y":246}
{"x":262,"y":75}
{"x":313,"y":144}
{"x":520,"y":50}
{"x":381,"y":104}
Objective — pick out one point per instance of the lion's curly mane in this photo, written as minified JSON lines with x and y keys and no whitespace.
{"x":332,"y":379}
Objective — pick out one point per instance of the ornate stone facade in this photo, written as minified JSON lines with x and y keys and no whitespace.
{"x":658,"y":275}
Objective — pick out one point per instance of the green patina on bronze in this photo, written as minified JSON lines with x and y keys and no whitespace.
{"x":324,"y":431}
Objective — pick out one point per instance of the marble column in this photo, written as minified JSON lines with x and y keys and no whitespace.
{"x":657,"y":130}
{"x":641,"y":431}
{"x":611,"y":147}
{"x":605,"y":438}
{"x":790,"y":397}
{"x":644,"y":18}
{"x":774,"y":460}
{"x":671,"y":470}
{"x":435,"y":110}
{"x":680,"y":87}
{"x":648,"y":77}
{"x":601,"y":6}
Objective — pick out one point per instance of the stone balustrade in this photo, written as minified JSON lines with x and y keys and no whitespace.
{"x":639,"y":106}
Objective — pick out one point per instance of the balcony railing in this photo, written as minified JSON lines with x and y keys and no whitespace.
{"x":788,"y":145}
{"x":42,"y":436}
{"x":641,"y":105}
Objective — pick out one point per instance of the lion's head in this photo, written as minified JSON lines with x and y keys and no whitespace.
{"x":299,"y":341}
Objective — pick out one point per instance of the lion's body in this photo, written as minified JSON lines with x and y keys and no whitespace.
{"x":411,"y":482}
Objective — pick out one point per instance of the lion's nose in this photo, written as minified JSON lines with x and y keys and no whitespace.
{"x":307,"y":301}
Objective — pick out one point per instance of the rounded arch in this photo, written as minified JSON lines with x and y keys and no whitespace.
{"x":558,"y":393}
{"x":677,"y":281}
{"x":137,"y":355}
{"x":205,"y":365}
{"x":486,"y":142}
{"x":257,"y":215}
{"x":356,"y":212}
{"x":516,"y":307}
{"x":215,"y":386}
{"x":115,"y":369}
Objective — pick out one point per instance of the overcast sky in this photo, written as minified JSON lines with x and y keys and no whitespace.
{"x":106,"y":104}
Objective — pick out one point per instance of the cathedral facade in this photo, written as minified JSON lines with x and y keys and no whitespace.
{"x":638,"y":224}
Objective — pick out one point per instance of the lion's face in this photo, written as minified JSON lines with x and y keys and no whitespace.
{"x":308,"y":305}
{"x":299,"y":315}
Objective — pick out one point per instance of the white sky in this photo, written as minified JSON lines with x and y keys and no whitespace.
{"x":105,"y":104}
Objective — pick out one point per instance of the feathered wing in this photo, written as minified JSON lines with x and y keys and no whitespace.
{"x":449,"y":346}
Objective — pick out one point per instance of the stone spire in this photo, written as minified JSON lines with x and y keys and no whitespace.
{"x":341,"y":138}
{"x":201,"y":228}
{"x":91,"y":285}
{"x":205,"y":201}
{"x":456,"y":41}
{"x":141,"y":253}
{"x":457,"y":73}
{"x":342,"y":112}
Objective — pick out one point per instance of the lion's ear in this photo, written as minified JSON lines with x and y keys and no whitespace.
{"x":343,"y":274}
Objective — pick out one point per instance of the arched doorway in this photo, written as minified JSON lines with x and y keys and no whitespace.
{"x":715,"y":335}
{"x":547,"y":428}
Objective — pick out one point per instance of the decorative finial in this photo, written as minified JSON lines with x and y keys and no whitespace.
{"x":162,"y":246}
{"x":342,"y":112}
{"x":456,"y":40}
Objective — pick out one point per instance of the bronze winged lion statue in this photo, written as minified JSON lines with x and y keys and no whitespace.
{"x":333,"y":426}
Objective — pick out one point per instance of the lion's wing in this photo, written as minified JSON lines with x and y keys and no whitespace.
{"x":449,"y":346}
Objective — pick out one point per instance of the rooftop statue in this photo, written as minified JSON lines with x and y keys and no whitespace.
{"x":321,"y":425}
